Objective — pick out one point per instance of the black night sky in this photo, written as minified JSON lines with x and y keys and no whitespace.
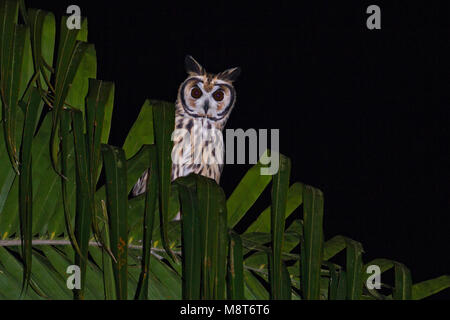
{"x":363,"y":114}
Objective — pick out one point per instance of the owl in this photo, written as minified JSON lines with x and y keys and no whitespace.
{"x":203,"y":106}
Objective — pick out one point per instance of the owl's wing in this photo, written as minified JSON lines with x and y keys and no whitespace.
{"x":141,"y":185}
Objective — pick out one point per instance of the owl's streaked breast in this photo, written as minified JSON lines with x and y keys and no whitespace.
{"x":198,"y":148}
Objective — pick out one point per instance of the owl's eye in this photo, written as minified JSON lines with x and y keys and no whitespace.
{"x":218,"y":95}
{"x":196,"y":92}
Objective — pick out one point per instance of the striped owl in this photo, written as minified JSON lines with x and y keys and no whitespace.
{"x":203,"y":106}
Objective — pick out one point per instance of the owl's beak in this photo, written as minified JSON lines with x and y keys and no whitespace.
{"x":206,"y":106}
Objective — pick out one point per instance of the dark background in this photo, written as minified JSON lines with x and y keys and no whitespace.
{"x":363,"y":114}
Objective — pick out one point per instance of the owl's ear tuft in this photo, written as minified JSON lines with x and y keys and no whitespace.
{"x":192,"y":66}
{"x":230,"y":74}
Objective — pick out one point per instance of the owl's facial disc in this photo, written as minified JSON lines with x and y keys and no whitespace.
{"x":207,"y":98}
